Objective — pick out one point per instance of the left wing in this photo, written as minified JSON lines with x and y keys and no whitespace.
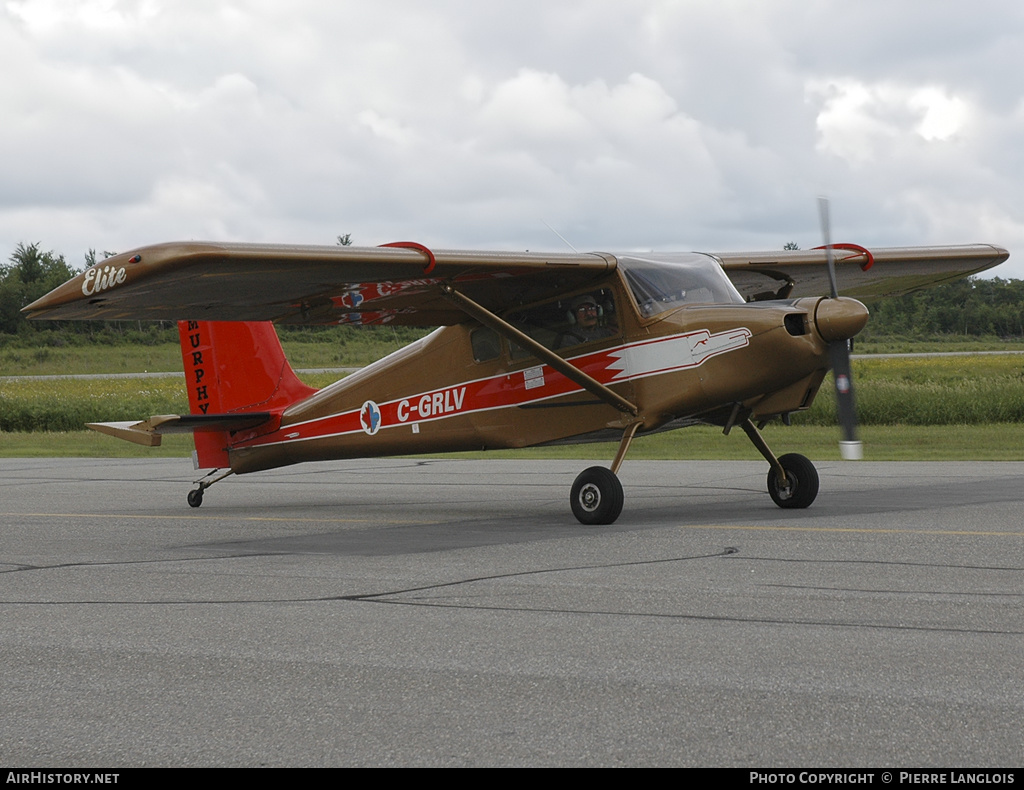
{"x":860,"y":273}
{"x":310,"y":285}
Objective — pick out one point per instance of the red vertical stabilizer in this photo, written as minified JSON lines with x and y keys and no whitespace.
{"x":231,"y":367}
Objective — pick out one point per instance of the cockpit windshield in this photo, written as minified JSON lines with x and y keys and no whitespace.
{"x":663,"y":281}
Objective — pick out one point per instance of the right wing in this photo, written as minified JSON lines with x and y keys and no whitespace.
{"x":207,"y":281}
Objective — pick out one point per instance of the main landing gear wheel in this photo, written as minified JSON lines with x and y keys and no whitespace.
{"x":801,"y":485}
{"x":195,"y":497}
{"x":596,"y":496}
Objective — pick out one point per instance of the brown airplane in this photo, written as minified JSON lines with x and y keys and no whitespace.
{"x":532,"y":348}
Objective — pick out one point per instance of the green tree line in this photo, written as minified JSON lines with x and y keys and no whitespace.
{"x":967,"y":308}
{"x":971,"y":308}
{"x":29,"y":273}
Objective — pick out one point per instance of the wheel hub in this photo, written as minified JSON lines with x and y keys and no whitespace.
{"x":590,"y":497}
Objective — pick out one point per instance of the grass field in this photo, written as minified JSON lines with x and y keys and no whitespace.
{"x":997,"y":442}
{"x":972,"y":390}
{"x":352,"y":349}
{"x":92,"y":359}
{"x":911,"y":408}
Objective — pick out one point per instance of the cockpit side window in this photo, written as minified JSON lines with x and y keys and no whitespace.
{"x":565,"y":323}
{"x":486,"y":344}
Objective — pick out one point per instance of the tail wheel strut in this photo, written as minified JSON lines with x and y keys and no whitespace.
{"x":195,"y":496}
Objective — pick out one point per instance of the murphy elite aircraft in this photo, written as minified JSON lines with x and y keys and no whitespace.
{"x":532,"y":348}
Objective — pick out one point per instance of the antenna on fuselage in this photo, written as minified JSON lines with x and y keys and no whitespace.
{"x":566,"y":241}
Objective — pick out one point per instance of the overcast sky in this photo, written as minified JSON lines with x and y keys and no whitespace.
{"x":624,"y":125}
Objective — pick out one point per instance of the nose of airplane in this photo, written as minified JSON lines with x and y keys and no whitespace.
{"x":840,"y":318}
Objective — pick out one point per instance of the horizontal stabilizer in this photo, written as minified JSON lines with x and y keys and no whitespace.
{"x":148,"y":432}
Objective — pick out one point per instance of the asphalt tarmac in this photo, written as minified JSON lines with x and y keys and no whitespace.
{"x":453,"y":613}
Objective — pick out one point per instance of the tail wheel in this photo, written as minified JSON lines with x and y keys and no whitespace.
{"x":801,"y":486}
{"x":596,"y":496}
{"x":195,"y":497}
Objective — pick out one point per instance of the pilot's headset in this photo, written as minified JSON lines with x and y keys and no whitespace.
{"x":570,"y":317}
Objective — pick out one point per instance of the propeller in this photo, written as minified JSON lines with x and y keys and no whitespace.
{"x":850,"y":447}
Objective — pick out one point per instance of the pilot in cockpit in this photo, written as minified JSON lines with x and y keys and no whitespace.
{"x":585,"y":314}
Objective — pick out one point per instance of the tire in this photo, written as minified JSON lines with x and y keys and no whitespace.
{"x":802,"y":482}
{"x":195,"y":497}
{"x":596,"y":496}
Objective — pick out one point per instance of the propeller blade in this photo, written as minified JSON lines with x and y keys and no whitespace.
{"x":826,"y":234}
{"x":850,"y":448}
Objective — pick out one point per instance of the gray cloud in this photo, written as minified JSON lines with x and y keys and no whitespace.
{"x":624,"y":125}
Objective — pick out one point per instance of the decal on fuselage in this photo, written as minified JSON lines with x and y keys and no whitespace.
{"x":369,"y":417}
{"x":678,"y":352}
{"x":512,"y":389}
{"x":433,"y":404}
{"x":199,"y":394}
{"x":533,"y":377}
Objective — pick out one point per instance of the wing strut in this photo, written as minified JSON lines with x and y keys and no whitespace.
{"x":567,"y":369}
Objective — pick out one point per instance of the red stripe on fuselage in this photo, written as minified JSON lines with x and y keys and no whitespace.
{"x":518,"y":388}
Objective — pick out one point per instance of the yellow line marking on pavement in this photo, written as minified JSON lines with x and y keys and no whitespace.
{"x":860,"y":530}
{"x":212,"y":517}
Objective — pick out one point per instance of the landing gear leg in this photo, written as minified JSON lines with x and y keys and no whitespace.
{"x":792,"y":479}
{"x":195,"y":496}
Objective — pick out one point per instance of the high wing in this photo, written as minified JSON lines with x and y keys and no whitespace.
{"x":311,"y":285}
{"x":860,"y":273}
{"x":405,"y":284}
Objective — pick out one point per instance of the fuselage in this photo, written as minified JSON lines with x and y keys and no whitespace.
{"x":680,"y":354}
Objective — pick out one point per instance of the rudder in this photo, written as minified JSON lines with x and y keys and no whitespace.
{"x":231,"y":367}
